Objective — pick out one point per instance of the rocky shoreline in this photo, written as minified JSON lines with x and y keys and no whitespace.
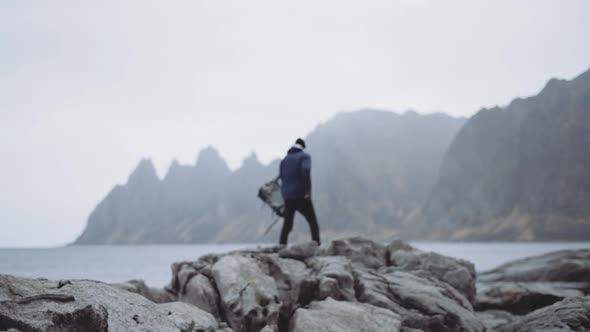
{"x":351,"y":284}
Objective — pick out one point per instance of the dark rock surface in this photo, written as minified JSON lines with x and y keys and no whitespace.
{"x":525,"y":285}
{"x":559,"y":266}
{"x":569,"y":315}
{"x":523,"y":297}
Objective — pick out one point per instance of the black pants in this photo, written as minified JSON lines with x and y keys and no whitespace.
{"x":305,"y":207}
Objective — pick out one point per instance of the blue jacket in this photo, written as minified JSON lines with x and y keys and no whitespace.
{"x":295,"y":173}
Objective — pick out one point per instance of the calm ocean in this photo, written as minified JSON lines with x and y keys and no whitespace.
{"x":152,"y":262}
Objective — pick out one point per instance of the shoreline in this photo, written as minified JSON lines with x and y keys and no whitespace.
{"x":275,"y":289}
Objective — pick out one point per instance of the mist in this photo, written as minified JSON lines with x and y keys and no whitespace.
{"x":87,"y":90}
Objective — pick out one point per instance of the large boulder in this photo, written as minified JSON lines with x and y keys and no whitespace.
{"x":82,"y":305}
{"x":456,"y":272}
{"x":249,"y":297}
{"x":336,"y":316}
{"x":426,"y":304}
{"x":560,"y":266}
{"x":333,"y":277}
{"x":569,"y":315}
{"x":200,"y":292}
{"x":289,"y":275}
{"x":523,"y":297}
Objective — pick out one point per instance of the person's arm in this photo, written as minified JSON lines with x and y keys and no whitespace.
{"x":306,"y":174}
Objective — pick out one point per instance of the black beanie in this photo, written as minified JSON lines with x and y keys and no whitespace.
{"x":300,"y":142}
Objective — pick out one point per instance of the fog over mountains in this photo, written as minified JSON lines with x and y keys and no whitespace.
{"x":371,"y":169}
{"x":516,"y":173}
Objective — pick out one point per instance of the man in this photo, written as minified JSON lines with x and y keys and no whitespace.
{"x":295,"y":174}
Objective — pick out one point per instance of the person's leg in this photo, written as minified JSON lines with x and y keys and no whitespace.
{"x":288,"y":222}
{"x":307,"y":210}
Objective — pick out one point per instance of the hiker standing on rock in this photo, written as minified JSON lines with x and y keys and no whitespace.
{"x":295,"y":174}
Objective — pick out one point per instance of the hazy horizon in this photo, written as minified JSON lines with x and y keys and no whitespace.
{"x":87,"y":90}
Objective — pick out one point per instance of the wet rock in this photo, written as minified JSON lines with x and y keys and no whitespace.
{"x":456,"y":272}
{"x":249,"y":297}
{"x":359,"y":251}
{"x":559,"y":266}
{"x":81,"y":305}
{"x":426,"y":304}
{"x":521,"y":298}
{"x":572,"y":314}
{"x":336,"y":316}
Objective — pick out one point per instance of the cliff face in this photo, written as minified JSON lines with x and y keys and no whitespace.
{"x":520,"y":172}
{"x":371,"y":169}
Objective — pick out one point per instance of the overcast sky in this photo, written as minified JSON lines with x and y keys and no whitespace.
{"x":89,"y":88}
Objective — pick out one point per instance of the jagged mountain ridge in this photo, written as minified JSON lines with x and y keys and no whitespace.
{"x":371,"y":169}
{"x":518,"y":173}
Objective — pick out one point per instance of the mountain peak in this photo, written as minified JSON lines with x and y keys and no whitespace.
{"x":252,"y":159}
{"x":144,"y":173}
{"x":174,"y":169}
{"x":210,"y":159}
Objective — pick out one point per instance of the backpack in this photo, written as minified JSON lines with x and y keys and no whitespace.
{"x":270,"y":194}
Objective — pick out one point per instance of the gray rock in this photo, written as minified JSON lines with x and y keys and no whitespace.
{"x":289,"y":275}
{"x":424,"y":303}
{"x":183,"y":272}
{"x":157,"y":295}
{"x":492,"y":319}
{"x":81,"y":305}
{"x":335,"y":316}
{"x":523,"y":297}
{"x":528,"y":284}
{"x":249,"y":297}
{"x":181,"y":313}
{"x":569,"y":315}
{"x":333,"y":277}
{"x":360,"y":251}
{"x":200,"y":292}
{"x":269,"y":328}
{"x":456,"y":272}
{"x":300,"y":251}
{"x":560,"y":266}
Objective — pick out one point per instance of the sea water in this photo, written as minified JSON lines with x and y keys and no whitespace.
{"x":152,"y":262}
